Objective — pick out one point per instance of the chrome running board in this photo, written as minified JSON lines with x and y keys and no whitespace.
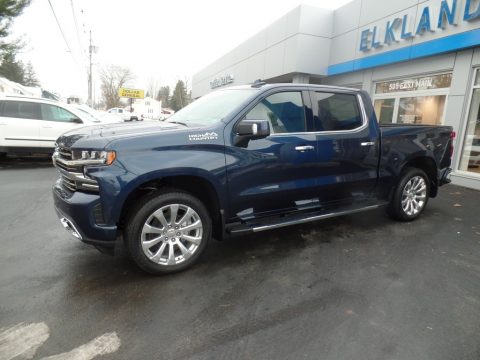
{"x":295,"y":220}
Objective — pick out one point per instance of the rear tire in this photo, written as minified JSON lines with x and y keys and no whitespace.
{"x":410,"y":196}
{"x":167,"y":232}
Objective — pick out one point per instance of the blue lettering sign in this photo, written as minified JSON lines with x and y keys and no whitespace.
{"x":375,"y":44}
{"x":447,"y":13}
{"x":405,"y":35}
{"x":424,"y":24}
{"x":364,"y":40}
{"x":469,"y":16}
{"x":389,"y":34}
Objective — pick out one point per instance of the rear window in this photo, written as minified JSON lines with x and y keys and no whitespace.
{"x":20,"y":110}
{"x":336,"y":112}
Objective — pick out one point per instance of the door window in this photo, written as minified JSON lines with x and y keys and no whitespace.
{"x":21,"y":110}
{"x":284,"y":111}
{"x":336,"y":112}
{"x":56,"y":113}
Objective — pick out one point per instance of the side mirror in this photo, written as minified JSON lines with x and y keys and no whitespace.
{"x":76,"y":120}
{"x":254,"y":129}
{"x":248,"y":130}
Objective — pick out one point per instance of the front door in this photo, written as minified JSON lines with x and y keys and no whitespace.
{"x":275,"y":174}
{"x":56,"y":121}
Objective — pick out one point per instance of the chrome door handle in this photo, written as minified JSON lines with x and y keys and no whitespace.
{"x":304,"y":148}
{"x":367,"y":143}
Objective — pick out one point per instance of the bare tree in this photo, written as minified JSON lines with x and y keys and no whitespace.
{"x":153,"y":87}
{"x":112,"y":78}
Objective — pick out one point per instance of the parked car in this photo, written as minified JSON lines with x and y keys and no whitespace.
{"x":31,"y":125}
{"x":125,"y":114}
{"x":239,"y":161}
{"x":103,"y":117}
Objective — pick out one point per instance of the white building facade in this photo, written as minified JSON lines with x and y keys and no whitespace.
{"x":419,"y":61}
{"x":148,"y":107}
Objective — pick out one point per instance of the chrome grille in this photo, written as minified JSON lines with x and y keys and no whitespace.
{"x":71,"y":174}
{"x":68,"y":183}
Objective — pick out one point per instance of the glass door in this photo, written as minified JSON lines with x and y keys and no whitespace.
{"x":385,"y":109}
{"x":470,"y":160}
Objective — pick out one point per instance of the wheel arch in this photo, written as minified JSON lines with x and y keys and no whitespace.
{"x":196,"y":185}
{"x":429,"y":166}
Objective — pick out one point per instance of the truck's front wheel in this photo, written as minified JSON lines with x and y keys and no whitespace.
{"x":167,"y":232}
{"x":410,"y":196}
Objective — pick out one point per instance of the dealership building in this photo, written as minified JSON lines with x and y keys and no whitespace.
{"x":419,"y":61}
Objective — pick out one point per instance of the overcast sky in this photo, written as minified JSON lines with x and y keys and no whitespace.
{"x":161,"y":40}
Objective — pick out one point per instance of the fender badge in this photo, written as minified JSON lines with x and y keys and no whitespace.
{"x":202,"y":137}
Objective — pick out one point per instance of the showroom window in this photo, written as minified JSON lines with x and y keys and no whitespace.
{"x":470,"y":160}
{"x":419,"y":100}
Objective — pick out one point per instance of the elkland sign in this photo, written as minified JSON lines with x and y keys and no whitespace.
{"x":431,"y":18}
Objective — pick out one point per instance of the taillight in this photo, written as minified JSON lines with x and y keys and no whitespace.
{"x":453,"y":135}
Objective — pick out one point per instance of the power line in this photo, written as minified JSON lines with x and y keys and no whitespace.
{"x":63,"y":35}
{"x":76,"y":28}
{"x":60,"y":27}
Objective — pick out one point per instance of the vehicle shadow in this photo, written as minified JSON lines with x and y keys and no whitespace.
{"x":21,"y":163}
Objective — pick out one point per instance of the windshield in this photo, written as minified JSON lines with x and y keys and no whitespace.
{"x":88,"y":115}
{"x":211,"y":108}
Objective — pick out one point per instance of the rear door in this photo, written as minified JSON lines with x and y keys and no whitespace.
{"x":56,"y":121}
{"x":347,"y":147}
{"x":20,"y":124}
{"x":277,"y":173}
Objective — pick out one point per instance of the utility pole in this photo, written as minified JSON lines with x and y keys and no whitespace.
{"x":90,"y":84}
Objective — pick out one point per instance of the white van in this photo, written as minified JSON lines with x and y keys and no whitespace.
{"x":32,"y":125}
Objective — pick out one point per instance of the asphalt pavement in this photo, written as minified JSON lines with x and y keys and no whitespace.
{"x":356,"y":287}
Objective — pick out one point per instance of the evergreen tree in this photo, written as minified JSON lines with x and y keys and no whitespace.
{"x":30,"y":78}
{"x":179,"y":97}
{"x":11,"y":68}
{"x":164,"y":96}
{"x":9,"y":9}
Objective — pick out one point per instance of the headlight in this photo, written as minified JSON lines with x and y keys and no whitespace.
{"x":94,"y":157}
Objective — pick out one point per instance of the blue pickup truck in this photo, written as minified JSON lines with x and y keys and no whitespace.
{"x":238,"y":161}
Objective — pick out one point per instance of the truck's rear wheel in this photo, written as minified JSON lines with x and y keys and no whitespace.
{"x":167,"y":232}
{"x":410,"y":196}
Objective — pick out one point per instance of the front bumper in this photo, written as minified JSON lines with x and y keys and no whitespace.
{"x":76,"y":213}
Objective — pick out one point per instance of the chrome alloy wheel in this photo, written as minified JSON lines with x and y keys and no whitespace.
{"x":171,"y":234}
{"x":414,"y":195}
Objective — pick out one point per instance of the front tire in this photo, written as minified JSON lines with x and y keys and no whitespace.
{"x":167,"y":232}
{"x":410,"y":197}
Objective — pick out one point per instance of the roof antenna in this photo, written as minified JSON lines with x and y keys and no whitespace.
{"x":257,"y":83}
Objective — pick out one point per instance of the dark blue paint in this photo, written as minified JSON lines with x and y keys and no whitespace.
{"x":265,"y":177}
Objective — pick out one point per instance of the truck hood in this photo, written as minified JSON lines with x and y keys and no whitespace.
{"x":98,"y":136}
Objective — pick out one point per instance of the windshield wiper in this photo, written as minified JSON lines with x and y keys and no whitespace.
{"x":177,"y":122}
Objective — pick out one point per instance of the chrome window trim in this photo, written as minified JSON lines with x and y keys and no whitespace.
{"x":351,"y":131}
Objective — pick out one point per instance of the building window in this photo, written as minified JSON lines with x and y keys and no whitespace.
{"x":427,"y":110}
{"x":418,"y":100}
{"x":470,"y":160}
